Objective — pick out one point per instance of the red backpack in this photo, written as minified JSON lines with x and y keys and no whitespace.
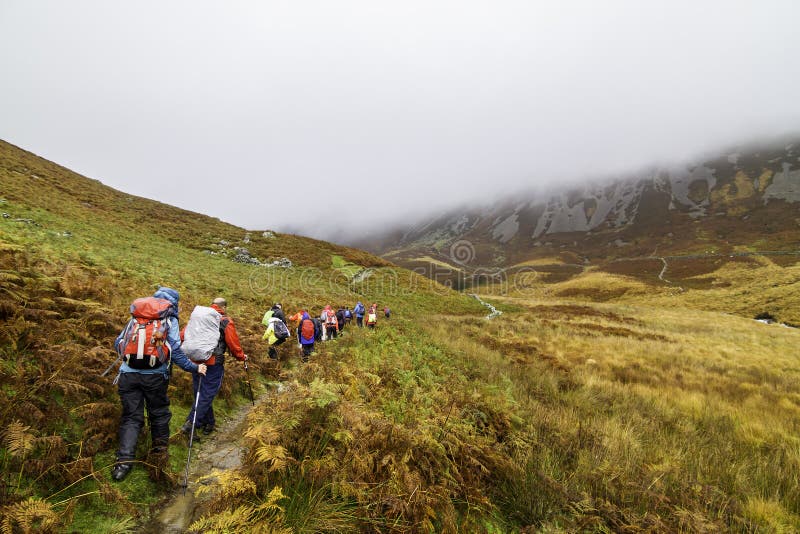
{"x":144,"y":340}
{"x":307,"y":329}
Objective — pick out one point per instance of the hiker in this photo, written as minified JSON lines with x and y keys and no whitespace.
{"x":319,"y":328}
{"x":341,"y":317}
{"x":307,"y":334}
{"x":386,"y":311}
{"x":277,"y":331}
{"x":348,"y":316}
{"x":277,"y":311}
{"x":144,"y":377}
{"x":372,"y":317}
{"x":209,"y":387}
{"x":330,"y":323}
{"x":296,"y":318}
{"x":359,"y":312}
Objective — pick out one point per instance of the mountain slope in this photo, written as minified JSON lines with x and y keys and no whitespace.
{"x":73,"y":255}
{"x":744,"y":197}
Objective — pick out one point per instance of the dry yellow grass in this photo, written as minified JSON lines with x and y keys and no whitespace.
{"x":699,"y":407}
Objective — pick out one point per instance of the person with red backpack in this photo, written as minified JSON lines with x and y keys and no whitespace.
{"x":209,"y":386}
{"x":307,"y":333}
{"x":148,"y":344}
{"x":330,"y":322}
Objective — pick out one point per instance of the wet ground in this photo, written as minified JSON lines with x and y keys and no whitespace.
{"x":221,"y":450}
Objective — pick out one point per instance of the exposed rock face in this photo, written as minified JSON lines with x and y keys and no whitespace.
{"x":761,"y":182}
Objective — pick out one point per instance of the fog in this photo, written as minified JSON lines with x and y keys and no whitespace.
{"x":336,"y":119}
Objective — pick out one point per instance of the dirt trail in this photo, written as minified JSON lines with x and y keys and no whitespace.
{"x":222,"y":450}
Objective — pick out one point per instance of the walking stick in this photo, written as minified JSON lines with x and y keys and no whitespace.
{"x":249,"y":385}
{"x":191,"y":435}
{"x":111,"y":367}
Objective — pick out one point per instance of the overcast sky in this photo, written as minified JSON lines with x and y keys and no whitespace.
{"x":267,"y":114}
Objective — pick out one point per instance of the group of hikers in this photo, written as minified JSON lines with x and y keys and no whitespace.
{"x":328,"y":325}
{"x":152,"y":340}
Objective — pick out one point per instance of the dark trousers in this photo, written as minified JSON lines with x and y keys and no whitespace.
{"x":307,"y":350}
{"x":138,"y":392}
{"x":273,"y":352}
{"x":208,"y":390}
{"x":360,"y":321}
{"x":332,"y":332}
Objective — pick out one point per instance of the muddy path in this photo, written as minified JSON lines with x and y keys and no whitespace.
{"x":222,"y":450}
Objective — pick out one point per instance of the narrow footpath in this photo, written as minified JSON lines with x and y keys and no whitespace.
{"x":222,"y":450}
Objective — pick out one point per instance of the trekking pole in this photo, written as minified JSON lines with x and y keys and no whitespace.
{"x":191,"y":435}
{"x":249,"y":385}
{"x":111,"y":367}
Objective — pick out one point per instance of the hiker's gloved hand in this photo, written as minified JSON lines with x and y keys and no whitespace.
{"x":244,"y":358}
{"x":202,"y":369}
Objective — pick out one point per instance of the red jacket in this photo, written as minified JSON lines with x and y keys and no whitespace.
{"x":231,"y":337}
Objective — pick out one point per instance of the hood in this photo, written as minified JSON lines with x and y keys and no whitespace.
{"x":305,"y":316}
{"x":219,"y":310}
{"x":167,"y":293}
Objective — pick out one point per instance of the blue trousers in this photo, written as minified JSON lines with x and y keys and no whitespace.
{"x":208,"y":390}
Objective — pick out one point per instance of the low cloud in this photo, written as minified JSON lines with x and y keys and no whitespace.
{"x":349,"y":117}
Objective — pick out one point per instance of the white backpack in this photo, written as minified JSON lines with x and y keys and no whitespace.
{"x":202,"y":334}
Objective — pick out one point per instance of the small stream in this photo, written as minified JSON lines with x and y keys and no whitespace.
{"x":493,"y":312}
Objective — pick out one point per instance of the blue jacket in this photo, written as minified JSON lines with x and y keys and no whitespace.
{"x":305,"y":340}
{"x":359,"y":310}
{"x":173,"y":338}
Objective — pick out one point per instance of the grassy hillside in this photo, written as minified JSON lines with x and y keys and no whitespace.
{"x":73,"y":254}
{"x":602,"y":400}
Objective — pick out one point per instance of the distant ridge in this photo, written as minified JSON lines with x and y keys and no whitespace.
{"x":747,"y":196}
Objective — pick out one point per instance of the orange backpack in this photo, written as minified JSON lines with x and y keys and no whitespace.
{"x":307,"y":329}
{"x":144,"y":340}
{"x":330,"y":319}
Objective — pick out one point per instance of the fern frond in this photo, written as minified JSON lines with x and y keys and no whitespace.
{"x":270,"y":504}
{"x":274,"y":455}
{"x":32,"y":515}
{"x":228,"y":484}
{"x":17,"y":439}
{"x":70,"y":386}
{"x":263,"y":432}
{"x":323,"y":394}
{"x":233,"y":521}
{"x":11,"y":277}
{"x":18,"y":296}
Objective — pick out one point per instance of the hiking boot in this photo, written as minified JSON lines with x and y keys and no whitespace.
{"x":186,"y":430}
{"x":209,"y":429}
{"x":120,"y":471}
